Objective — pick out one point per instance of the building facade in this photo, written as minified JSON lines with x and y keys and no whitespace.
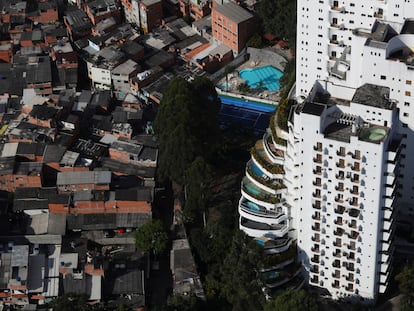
{"x":232,"y":25}
{"x":332,"y":173}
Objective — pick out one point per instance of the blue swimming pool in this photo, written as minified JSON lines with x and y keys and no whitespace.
{"x":252,"y":189}
{"x":256,"y":170}
{"x":266,"y":77}
{"x":253,"y":206}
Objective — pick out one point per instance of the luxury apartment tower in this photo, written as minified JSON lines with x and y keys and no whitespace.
{"x":331,"y":176}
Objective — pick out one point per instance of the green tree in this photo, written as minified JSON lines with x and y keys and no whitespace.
{"x":70,"y":302}
{"x":197,"y":180}
{"x":187,"y":126}
{"x":243,"y":88}
{"x":292,"y":300}
{"x":279,"y":18}
{"x":151,"y":236}
{"x":240,"y":283}
{"x":405,"y":281}
{"x":255,"y":41}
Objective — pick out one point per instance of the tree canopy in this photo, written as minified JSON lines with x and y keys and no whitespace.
{"x":292,"y":300}
{"x":405,"y":281}
{"x":279,"y":18}
{"x":240,"y":284}
{"x":187,"y":126}
{"x":151,"y":236}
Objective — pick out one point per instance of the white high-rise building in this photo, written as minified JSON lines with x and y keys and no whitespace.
{"x":331,"y":179}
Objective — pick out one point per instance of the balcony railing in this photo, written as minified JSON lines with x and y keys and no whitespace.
{"x":338,"y":221}
{"x":316,"y":238}
{"x":255,"y":209}
{"x":317,"y":171}
{"x":316,"y":216}
{"x":339,"y":188}
{"x":317,"y":148}
{"x":337,"y":244}
{"x":352,"y":224}
{"x":316,"y":194}
{"x":339,"y":199}
{"x":316,"y":227}
{"x":340,"y":164}
{"x":353,"y":212}
{"x":340,"y":209}
{"x":315,"y":259}
{"x":340,"y":176}
{"x":353,"y":235}
{"x":316,"y":205}
{"x":315,"y":249}
{"x":339,"y":232}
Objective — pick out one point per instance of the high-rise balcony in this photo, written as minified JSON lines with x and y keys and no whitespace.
{"x":352,"y":224}
{"x":272,"y":151}
{"x":317,"y":159}
{"x":339,"y":199}
{"x":315,"y":248}
{"x":338,"y":221}
{"x":316,"y":227}
{"x":316,"y":216}
{"x":349,"y":266}
{"x":353,"y":212}
{"x":317,"y":205}
{"x":258,"y":229}
{"x":317,"y":170}
{"x":336,"y":263}
{"x":353,"y":235}
{"x":349,"y":288}
{"x":337,"y":253}
{"x":339,"y":209}
{"x":316,"y":194}
{"x":340,"y":164}
{"x":336,"y":274}
{"x":257,"y":212}
{"x":318,"y":147}
{"x":317,"y":183}
{"x":339,"y":232}
{"x":355,"y":178}
{"x":337,"y":243}
{"x":340,"y":188}
{"x":258,"y":195}
{"x":353,"y":202}
{"x":271,"y":185}
{"x":351,"y":246}
{"x":315,"y":259}
{"x":340,"y":176}
{"x":316,"y":238}
{"x":340,"y":153}
{"x":354,"y":190}
{"x":355,"y":167}
{"x":335,"y":284}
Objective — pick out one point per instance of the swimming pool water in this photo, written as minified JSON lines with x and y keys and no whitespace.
{"x":252,"y":189}
{"x":266,"y":77}
{"x":254,"y":207}
{"x":256,"y":170}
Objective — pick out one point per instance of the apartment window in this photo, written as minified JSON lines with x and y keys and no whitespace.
{"x":407,"y":93}
{"x":405,"y":114}
{"x":408,"y":82}
{"x":383,"y":77}
{"x":407,"y":104}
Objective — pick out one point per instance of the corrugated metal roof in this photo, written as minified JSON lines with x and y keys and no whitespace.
{"x":84,"y":177}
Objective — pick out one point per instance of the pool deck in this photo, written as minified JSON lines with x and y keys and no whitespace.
{"x":259,"y":95}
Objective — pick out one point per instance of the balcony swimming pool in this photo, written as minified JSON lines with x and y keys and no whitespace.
{"x":253,"y":206}
{"x":266,"y":77}
{"x":256,"y":170}
{"x":252,"y":189}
